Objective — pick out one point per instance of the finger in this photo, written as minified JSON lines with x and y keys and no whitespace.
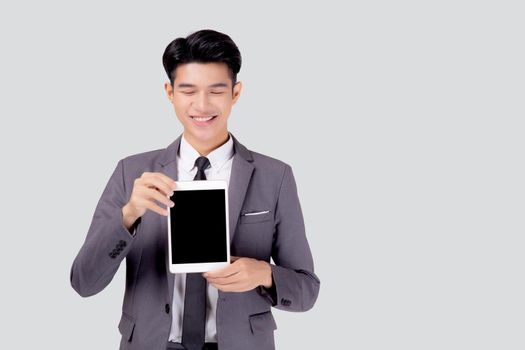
{"x":166,"y":179}
{"x":233,"y":258}
{"x":226,"y":288}
{"x":223,"y":272}
{"x":150,"y":193}
{"x":153,"y":207}
{"x":158,"y":184}
{"x":217,"y":273}
{"x":155,"y":184}
{"x":225,"y":280}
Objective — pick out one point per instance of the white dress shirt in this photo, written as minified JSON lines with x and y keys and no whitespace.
{"x":221,"y":160}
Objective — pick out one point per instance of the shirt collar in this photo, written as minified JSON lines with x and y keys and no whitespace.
{"x":217,"y":157}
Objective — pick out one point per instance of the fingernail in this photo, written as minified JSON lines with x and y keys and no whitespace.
{"x":171,"y":204}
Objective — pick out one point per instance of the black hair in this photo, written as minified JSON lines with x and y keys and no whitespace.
{"x":203,"y":46}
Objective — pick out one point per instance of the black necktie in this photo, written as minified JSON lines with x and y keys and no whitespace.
{"x":194,"y":318}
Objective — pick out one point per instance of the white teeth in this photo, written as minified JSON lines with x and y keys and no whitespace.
{"x":202,"y":119}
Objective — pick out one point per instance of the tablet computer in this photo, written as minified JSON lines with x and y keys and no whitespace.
{"x":198,"y":226}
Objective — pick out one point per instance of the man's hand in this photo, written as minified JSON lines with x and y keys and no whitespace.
{"x":242,"y":275}
{"x":147,"y":189}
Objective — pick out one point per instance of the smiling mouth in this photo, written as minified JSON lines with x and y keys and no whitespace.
{"x":202,"y":119}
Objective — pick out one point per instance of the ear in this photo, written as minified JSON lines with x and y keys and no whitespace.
{"x":169,"y":90}
{"x":237,"y":91}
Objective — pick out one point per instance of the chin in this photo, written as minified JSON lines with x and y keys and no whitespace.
{"x":204,"y":135}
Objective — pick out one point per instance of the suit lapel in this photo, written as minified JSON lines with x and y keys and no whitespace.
{"x":241,"y":173}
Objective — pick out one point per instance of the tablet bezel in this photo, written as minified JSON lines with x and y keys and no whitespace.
{"x":200,"y":185}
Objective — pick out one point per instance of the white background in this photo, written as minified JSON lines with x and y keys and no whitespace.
{"x":403,"y":122}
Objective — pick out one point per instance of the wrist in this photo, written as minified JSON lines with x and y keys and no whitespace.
{"x":128,"y":218}
{"x":267,"y":281}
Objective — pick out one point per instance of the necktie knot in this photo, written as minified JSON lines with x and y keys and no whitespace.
{"x":201,"y":163}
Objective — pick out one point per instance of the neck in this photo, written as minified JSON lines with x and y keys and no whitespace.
{"x":205,"y":147}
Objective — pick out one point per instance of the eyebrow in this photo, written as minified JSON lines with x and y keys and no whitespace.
{"x":185,"y":85}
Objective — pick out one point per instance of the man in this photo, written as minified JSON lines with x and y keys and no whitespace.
{"x":228,"y":308}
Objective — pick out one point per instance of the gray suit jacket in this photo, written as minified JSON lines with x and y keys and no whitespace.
{"x":244,"y":320}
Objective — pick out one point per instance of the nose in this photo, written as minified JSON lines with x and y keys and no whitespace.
{"x":201,"y":103}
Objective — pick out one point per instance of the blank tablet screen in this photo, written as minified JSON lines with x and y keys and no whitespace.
{"x":198,"y":226}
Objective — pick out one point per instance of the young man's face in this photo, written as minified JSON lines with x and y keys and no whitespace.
{"x":203,"y":90}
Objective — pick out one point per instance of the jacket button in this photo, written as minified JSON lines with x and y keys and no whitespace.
{"x":167,"y":308}
{"x":286,"y":302}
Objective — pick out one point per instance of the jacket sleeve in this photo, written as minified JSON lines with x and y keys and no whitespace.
{"x":295,"y":285}
{"x":107,"y":241}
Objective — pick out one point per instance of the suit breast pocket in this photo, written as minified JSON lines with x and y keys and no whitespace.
{"x":252,"y":217}
{"x":254,"y":234}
